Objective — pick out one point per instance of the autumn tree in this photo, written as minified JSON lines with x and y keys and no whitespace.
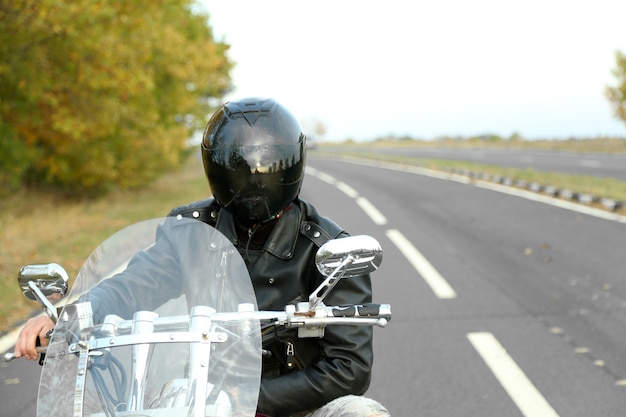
{"x":100,"y":93}
{"x":314,"y":127}
{"x":617,"y":93}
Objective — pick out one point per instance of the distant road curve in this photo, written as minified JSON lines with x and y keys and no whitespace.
{"x":596,"y":165}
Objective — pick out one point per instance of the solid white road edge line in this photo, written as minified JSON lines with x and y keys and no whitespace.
{"x":521,"y":390}
{"x":437,"y":283}
{"x":540,"y":198}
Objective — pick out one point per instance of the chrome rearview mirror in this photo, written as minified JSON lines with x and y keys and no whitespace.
{"x":50,"y":279}
{"x":364,"y":254}
{"x":45,"y":283}
{"x":344,"y":258}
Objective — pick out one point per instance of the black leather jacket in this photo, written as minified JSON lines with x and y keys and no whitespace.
{"x":283,"y":272}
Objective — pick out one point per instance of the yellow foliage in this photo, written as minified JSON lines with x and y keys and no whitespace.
{"x":617,"y":94}
{"x":99,"y":91}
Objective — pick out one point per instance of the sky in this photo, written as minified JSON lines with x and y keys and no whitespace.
{"x":426,"y":69}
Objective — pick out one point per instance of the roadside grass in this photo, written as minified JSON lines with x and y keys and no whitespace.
{"x":583,"y":146}
{"x":36,"y":228}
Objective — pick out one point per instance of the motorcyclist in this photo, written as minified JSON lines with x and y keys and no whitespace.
{"x":254,"y":153}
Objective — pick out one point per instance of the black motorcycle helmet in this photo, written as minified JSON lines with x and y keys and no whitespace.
{"x":253,"y":151}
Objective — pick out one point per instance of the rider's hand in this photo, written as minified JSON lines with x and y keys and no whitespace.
{"x":34,"y":328}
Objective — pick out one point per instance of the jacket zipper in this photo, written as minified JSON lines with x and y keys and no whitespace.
{"x":290,"y":355}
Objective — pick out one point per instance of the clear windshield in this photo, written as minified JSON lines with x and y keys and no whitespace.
{"x":156,"y":326}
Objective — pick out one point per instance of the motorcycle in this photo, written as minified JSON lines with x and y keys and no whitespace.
{"x":196,"y":349}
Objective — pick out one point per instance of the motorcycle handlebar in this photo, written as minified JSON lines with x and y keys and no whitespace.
{"x":8,"y":357}
{"x":360,"y":314}
{"x":363,"y":310}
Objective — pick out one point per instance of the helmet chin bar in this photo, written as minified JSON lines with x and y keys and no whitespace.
{"x":253,"y":214}
{"x":249,"y":220}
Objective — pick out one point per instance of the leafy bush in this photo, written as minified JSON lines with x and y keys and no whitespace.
{"x":98,"y":94}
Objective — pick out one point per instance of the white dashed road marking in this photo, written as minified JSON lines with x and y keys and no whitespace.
{"x":433,"y":278}
{"x":521,"y":390}
{"x":425,"y":269}
{"x":369,"y":209}
{"x":517,"y":385}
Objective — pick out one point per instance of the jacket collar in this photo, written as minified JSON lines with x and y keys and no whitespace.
{"x":282,"y":240}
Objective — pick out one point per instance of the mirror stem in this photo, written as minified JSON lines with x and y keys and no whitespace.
{"x":328,"y":284}
{"x":47,"y":306}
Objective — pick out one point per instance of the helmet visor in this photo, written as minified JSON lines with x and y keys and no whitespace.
{"x":265,"y":159}
{"x":255,"y":182}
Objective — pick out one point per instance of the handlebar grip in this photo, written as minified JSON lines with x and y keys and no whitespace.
{"x":9,"y":356}
{"x":363,"y":310}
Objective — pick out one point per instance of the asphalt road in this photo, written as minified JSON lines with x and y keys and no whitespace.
{"x":502,"y":306}
{"x":596,"y":164}
{"x":533,"y":321}
{"x":18,"y":392}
